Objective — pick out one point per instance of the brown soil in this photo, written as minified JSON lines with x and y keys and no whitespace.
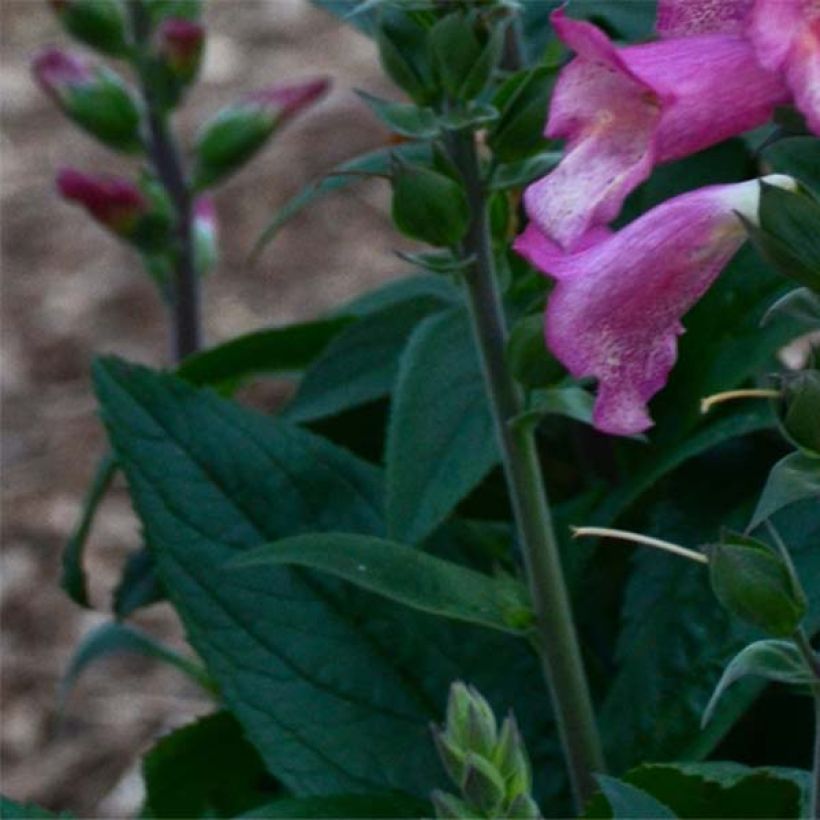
{"x":71,"y":292}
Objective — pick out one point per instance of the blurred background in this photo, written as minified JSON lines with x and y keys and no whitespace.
{"x":70,"y":292}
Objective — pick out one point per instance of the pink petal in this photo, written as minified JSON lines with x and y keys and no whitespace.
{"x":624,"y":110}
{"x":616,"y":308}
{"x":786,"y":35}
{"x":678,"y":18}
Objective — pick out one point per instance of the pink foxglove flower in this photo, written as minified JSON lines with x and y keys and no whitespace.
{"x":618,"y":300}
{"x":786,"y":36}
{"x":113,"y":201}
{"x":624,"y":110}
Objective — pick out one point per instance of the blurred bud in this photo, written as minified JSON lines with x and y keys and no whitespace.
{"x":117,"y":204}
{"x":523,"y":808}
{"x":159,"y":10}
{"x":450,"y":807}
{"x":511,"y":759}
{"x":98,"y":23}
{"x":236,"y":133}
{"x":205,"y":235}
{"x":800,"y":415}
{"x":179,"y":47}
{"x":91,"y":95}
{"x":405,"y":55}
{"x":482,"y":785}
{"x":756,"y":585}
{"x":429,"y":206}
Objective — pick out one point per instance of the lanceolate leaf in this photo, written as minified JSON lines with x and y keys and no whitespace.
{"x":406,"y":575}
{"x":115,"y":639}
{"x":360,"y":364}
{"x":139,"y":585}
{"x":307,"y":663}
{"x":628,"y":802}
{"x":73,"y":578}
{"x":772,"y":660}
{"x":792,"y":479}
{"x":440,"y":441}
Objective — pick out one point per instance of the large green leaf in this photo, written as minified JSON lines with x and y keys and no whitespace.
{"x":406,"y":575}
{"x":342,"y":806}
{"x":441,"y":440}
{"x":360,"y":364}
{"x":334,"y":686}
{"x":627,"y":802}
{"x":205,"y":769}
{"x":726,"y":790}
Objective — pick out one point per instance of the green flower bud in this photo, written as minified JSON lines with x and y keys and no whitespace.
{"x":523,"y":808}
{"x":403,"y":53}
{"x":450,"y":807}
{"x":511,"y":759}
{"x":755,"y":584}
{"x":801,"y":410}
{"x":97,"y":23}
{"x":92,"y":95}
{"x":482,"y":785}
{"x":236,"y":133}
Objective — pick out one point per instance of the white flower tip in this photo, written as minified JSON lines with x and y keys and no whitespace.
{"x":780,"y":181}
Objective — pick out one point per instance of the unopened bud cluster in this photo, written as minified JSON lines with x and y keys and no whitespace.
{"x":489,"y":765}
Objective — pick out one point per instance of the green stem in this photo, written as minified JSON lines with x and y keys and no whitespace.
{"x":557,"y":640}
{"x":166,"y":159}
{"x":813,"y":662}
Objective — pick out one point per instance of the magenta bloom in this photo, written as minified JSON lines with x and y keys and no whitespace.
{"x":618,"y":300}
{"x":59,"y":72}
{"x":180,"y":44}
{"x":624,"y":110}
{"x":113,"y":201}
{"x":786,"y":35}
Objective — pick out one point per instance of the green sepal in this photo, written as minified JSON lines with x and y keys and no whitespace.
{"x":418,"y":122}
{"x":800,"y":414}
{"x":402,"y":44}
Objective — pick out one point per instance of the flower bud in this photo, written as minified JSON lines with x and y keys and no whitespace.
{"x":179,"y":47}
{"x":801,"y":410}
{"x":206,"y":237}
{"x":756,"y":585}
{"x":91,"y":95}
{"x":482,"y":785}
{"x":236,"y":133}
{"x":450,"y":807}
{"x":510,"y":757}
{"x":98,"y":23}
{"x":117,"y":204}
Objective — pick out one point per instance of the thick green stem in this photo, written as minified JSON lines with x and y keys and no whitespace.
{"x":557,"y":639}
{"x":166,"y":159}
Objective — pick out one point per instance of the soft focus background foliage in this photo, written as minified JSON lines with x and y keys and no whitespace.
{"x":68,"y":293}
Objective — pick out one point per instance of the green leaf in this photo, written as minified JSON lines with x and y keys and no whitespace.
{"x":306,"y":663}
{"x":404,"y":574}
{"x":139,"y":585}
{"x":800,"y":306}
{"x":342,"y":806}
{"x":800,"y":411}
{"x":404,"y":289}
{"x":455,"y":50}
{"x":115,"y":639}
{"x":755,"y":584}
{"x":73,"y":579}
{"x":406,"y":119}
{"x":789,"y":234}
{"x":12,"y":810}
{"x":429,"y":206}
{"x":571,"y":402}
{"x":628,"y":802}
{"x":360,"y":363}
{"x":797,"y":156}
{"x":770,"y":659}
{"x":792,"y":479}
{"x":374,"y":163}
{"x":278,"y":350}
{"x":441,"y":440}
{"x":518,"y":174}
{"x":205,"y":769}
{"x":726,"y":790}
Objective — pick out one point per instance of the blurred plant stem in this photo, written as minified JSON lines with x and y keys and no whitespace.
{"x":557,"y":640}
{"x":166,"y":160}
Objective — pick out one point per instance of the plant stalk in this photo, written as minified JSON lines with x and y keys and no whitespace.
{"x":557,"y":639}
{"x":166,"y":160}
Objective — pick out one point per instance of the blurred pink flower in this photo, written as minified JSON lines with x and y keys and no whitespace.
{"x":59,"y":72}
{"x":113,"y":201}
{"x":624,"y":110}
{"x":284,"y":101}
{"x":180,"y":43}
{"x":618,"y":300}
